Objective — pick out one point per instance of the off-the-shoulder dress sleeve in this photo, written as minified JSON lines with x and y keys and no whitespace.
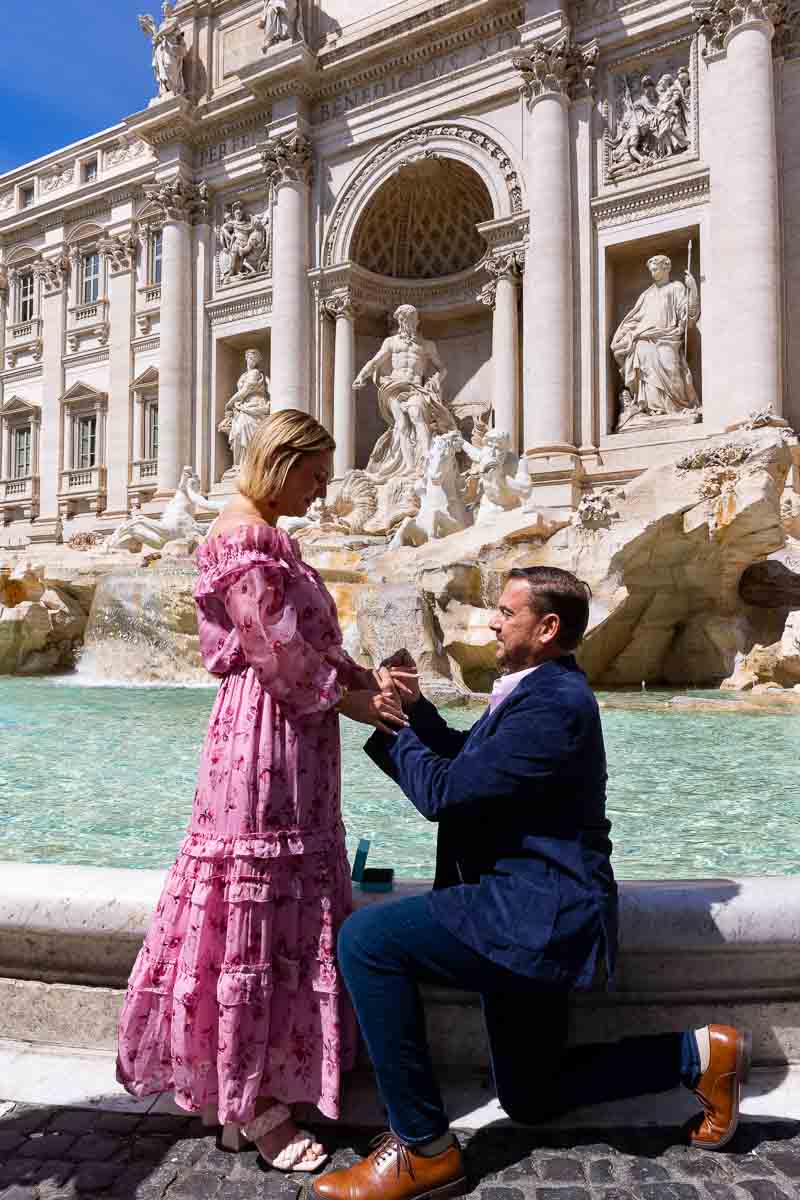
{"x":303,"y":681}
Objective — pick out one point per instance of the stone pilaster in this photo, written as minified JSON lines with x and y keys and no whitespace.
{"x":203,"y":262}
{"x":288,"y":166}
{"x":179,"y":203}
{"x":550,"y":76}
{"x":53,"y":278}
{"x":502,"y":293}
{"x":747,"y":244}
{"x":342,"y":310}
{"x":120,"y":253}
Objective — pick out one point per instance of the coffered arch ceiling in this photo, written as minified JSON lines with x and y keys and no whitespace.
{"x":421,"y":223}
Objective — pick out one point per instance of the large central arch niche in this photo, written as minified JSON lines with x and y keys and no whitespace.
{"x":422,"y":223}
{"x":418,"y":235}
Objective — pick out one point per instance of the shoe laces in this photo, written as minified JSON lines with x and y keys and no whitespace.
{"x":385,"y":1145}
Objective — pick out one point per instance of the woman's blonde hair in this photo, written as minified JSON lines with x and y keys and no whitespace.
{"x":277,"y":444}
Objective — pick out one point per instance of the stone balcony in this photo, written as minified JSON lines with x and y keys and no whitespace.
{"x":24,"y":331}
{"x":144,"y":473}
{"x":19,"y":493}
{"x":82,"y":484}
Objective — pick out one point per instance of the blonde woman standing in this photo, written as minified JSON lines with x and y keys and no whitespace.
{"x":235,"y":1001}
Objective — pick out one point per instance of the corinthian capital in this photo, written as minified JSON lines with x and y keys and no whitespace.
{"x":179,"y":201}
{"x":53,"y":272}
{"x":288,"y":159}
{"x":559,"y":69}
{"x":121,"y":251}
{"x":716,"y":19}
{"x":341,"y":305}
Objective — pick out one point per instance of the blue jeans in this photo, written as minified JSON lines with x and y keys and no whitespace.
{"x":387,"y":951}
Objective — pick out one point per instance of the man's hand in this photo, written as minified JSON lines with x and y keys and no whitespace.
{"x":381,"y":708}
{"x":405,"y":676}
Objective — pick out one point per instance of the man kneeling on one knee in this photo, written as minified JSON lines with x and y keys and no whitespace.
{"x":523,"y":910}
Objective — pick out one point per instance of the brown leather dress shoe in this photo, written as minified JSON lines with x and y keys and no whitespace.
{"x":394,"y":1172}
{"x":719,"y":1088}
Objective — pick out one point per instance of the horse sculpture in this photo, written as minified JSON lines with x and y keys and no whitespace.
{"x":176,"y":521}
{"x":442,"y":510}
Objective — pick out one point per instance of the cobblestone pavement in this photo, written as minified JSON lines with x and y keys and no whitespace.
{"x":55,"y":1153}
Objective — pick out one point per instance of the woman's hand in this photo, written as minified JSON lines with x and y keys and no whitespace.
{"x":381,"y":709}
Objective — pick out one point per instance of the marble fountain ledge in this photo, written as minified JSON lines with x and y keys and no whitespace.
{"x":691,"y":950}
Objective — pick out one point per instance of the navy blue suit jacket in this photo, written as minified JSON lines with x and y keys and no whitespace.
{"x":523,"y":870}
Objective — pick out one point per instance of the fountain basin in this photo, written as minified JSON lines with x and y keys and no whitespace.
{"x":691,"y":951}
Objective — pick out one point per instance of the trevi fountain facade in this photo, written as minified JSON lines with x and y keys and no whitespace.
{"x":537,"y":269}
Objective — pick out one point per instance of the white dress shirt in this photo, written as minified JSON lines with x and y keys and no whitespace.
{"x":505,"y":685}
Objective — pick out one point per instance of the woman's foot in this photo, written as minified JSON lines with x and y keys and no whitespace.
{"x":281,"y":1144}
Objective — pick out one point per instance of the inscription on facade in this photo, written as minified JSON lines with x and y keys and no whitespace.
{"x":231,"y":145}
{"x":427,"y":72}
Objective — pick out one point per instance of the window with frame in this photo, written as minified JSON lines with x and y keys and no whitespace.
{"x":25,"y":296}
{"x":90,"y":170}
{"x":151,"y":429}
{"x":21,"y":452}
{"x":86,"y":448}
{"x":90,"y":278}
{"x":156,"y":256}
{"x":27,"y":195}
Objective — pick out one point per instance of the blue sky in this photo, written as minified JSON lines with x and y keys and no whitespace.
{"x":70,"y":68}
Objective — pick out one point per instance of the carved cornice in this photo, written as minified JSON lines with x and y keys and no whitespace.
{"x":341,"y":305}
{"x":683,"y":193}
{"x":288,"y":159}
{"x":717,"y":19}
{"x":121,"y":251}
{"x":560,"y":69}
{"x":255,"y":304}
{"x":176,"y":200}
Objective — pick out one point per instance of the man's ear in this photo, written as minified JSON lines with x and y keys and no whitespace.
{"x":552,"y":628}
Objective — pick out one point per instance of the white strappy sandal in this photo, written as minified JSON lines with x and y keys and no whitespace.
{"x":292,"y":1157}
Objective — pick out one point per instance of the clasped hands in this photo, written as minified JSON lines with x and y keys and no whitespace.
{"x":395,"y":689}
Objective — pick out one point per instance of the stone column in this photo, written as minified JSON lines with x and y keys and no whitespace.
{"x":120,"y":253}
{"x":53,"y":281}
{"x":549,"y":75}
{"x":505,"y":269}
{"x":747,"y":211}
{"x":343,"y":312}
{"x":202,"y":424}
{"x":288,"y":166}
{"x":179,"y":202}
{"x":68,"y":439}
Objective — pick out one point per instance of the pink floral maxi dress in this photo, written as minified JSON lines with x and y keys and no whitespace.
{"x":235,"y":992}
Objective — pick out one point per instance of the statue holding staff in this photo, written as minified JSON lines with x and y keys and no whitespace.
{"x":169,"y":50}
{"x":650,"y":344}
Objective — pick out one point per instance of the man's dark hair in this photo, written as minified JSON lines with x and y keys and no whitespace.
{"x":560,"y":592}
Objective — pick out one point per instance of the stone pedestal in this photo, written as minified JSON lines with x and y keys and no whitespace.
{"x":342,"y":310}
{"x":288,"y":167}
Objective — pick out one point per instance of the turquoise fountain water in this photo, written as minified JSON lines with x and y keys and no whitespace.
{"x":104,"y":776}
